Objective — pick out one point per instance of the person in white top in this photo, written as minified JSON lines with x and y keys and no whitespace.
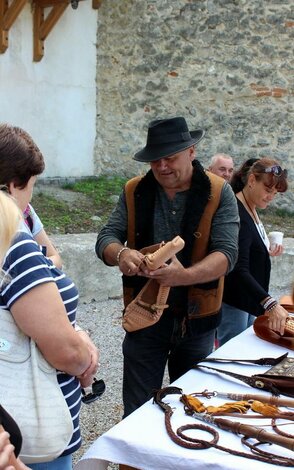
{"x":34,"y":226}
{"x":32,"y":223}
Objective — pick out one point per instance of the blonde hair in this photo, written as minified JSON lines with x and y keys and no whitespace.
{"x":10,"y":217}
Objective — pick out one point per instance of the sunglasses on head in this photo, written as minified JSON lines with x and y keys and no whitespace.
{"x":275,"y":170}
{"x":98,"y":388}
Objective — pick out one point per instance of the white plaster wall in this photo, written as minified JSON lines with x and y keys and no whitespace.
{"x":54,"y":99}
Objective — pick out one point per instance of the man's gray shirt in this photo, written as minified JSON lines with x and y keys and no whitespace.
{"x":167,"y":220}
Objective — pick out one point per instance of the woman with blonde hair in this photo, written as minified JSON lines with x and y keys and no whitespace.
{"x":10,"y":436}
{"x":41,"y":298}
{"x":10,"y":218}
{"x":246,"y":291}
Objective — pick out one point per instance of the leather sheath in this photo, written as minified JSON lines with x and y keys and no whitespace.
{"x":147,"y":307}
{"x":277,"y":380}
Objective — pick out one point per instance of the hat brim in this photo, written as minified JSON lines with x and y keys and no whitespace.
{"x":151,"y":153}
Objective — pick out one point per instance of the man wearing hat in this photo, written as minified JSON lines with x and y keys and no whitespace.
{"x":175,"y":197}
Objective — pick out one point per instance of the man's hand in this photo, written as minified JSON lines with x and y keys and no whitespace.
{"x":130,"y":262}
{"x":170,"y":274}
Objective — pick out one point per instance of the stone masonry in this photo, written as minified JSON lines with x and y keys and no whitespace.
{"x":226,"y":65}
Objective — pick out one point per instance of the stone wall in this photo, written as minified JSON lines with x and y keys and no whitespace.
{"x":227,"y":66}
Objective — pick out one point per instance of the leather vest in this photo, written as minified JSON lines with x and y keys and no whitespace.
{"x":202,"y":300}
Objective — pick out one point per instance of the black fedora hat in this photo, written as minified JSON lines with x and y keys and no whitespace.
{"x":167,"y":137}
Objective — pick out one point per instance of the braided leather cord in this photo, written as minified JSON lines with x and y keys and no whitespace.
{"x":278,"y":430}
{"x":181,"y":439}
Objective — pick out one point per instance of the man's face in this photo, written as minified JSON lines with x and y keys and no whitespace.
{"x":223,"y":167}
{"x":174,"y":173}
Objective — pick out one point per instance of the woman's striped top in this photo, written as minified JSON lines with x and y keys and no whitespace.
{"x":25,"y":267}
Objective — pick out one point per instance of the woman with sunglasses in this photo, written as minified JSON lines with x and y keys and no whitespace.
{"x":40,"y":297}
{"x":246,"y":294}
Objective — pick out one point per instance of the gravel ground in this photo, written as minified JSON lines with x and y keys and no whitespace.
{"x":103,"y":321}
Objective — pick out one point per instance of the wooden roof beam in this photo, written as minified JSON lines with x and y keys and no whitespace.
{"x":96,"y":4}
{"x":43,"y":26}
{"x":8,"y":15}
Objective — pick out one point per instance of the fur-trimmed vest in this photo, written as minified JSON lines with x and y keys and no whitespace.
{"x":201,"y":300}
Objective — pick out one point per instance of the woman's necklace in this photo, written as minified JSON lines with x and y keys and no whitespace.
{"x":255,"y":218}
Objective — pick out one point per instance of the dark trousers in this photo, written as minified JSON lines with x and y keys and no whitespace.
{"x":147,"y":351}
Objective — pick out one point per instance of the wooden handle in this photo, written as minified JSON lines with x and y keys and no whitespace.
{"x":164,"y":253}
{"x":254,"y":432}
{"x":277,"y":401}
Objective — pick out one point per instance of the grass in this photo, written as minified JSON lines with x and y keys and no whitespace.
{"x":278,"y":219}
{"x":79,"y":207}
{"x":99,"y":190}
{"x":85,"y":206}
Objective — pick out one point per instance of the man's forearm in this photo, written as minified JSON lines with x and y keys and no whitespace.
{"x":212,"y":267}
{"x":110,"y":253}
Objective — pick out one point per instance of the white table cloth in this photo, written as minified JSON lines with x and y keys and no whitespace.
{"x":141,"y":440}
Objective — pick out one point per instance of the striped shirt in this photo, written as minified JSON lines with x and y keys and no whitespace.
{"x":26,"y":267}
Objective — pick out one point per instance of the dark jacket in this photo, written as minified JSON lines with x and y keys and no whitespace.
{"x":247,"y":285}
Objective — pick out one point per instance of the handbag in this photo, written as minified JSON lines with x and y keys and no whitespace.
{"x":30,"y":392}
{"x":148,"y":306}
{"x":278,"y":380}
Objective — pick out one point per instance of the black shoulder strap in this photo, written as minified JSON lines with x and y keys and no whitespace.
{"x":29,"y":222}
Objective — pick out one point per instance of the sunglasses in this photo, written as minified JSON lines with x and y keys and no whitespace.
{"x":98,"y":388}
{"x":276,"y":170}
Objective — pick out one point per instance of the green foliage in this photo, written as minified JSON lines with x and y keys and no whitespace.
{"x":100,"y":189}
{"x":278,"y":219}
{"x":86,"y":210}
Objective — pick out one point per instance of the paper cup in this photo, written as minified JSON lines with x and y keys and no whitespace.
{"x":275,"y":238}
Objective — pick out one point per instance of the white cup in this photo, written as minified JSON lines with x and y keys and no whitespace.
{"x":275,"y":238}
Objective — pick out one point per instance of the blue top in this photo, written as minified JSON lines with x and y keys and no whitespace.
{"x":26,"y":267}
